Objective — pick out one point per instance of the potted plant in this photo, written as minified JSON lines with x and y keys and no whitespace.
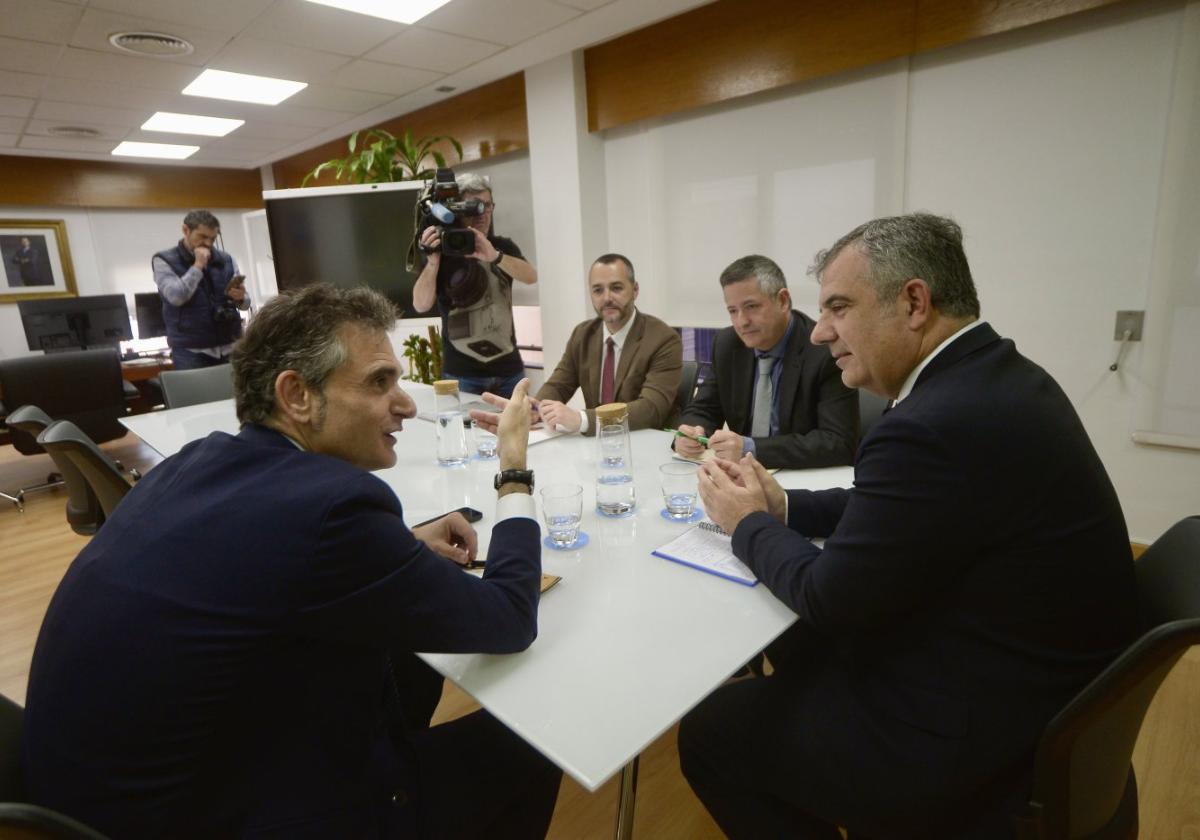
{"x":424,"y":357}
{"x":383,"y":157}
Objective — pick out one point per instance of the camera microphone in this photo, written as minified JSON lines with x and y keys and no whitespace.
{"x":443,"y":214}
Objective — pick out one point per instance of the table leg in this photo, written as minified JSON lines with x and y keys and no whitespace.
{"x":627,"y":800}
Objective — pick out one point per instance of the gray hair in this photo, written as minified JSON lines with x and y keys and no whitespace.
{"x":764,"y":269}
{"x":300,"y":330}
{"x":196,"y":218}
{"x":613,"y":259}
{"x":473,"y":183}
{"x":918,"y":245}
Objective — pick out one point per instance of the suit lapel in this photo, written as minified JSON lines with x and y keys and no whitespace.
{"x":589,"y":378}
{"x":742,"y":373}
{"x":629,"y":349}
{"x":789,"y":378}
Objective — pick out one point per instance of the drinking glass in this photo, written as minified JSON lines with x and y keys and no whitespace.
{"x":679,"y":488}
{"x":562,"y":508}
{"x":485,"y":442}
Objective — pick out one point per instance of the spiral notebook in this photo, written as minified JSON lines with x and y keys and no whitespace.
{"x":706,"y":547}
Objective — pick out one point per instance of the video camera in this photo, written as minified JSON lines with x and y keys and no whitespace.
{"x":442,"y":204}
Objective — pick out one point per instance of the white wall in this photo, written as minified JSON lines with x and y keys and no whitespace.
{"x":1046,"y":144}
{"x":111,"y":252}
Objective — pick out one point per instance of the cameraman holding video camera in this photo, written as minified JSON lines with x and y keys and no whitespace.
{"x":202,"y":292}
{"x":469,"y":272}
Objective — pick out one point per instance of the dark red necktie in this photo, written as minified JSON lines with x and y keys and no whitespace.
{"x":607,"y":376}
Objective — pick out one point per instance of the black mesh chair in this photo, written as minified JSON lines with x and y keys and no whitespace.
{"x":19,"y":819}
{"x":84,"y":513}
{"x":1083,"y":782}
{"x":103,"y":474}
{"x":83,"y":386}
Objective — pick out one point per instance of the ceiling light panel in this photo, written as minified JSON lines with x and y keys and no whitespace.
{"x":242,"y":87}
{"x":190,"y":124}
{"x":171,"y":151}
{"x":401,"y":11}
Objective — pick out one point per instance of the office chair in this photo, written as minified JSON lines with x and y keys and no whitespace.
{"x":84,"y":386}
{"x":101,"y":472}
{"x":84,"y":513}
{"x":200,"y":385}
{"x":19,"y":819}
{"x":687,"y":388}
{"x":1083,"y":782}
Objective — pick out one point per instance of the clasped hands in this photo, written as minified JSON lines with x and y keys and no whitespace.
{"x":732,"y":490}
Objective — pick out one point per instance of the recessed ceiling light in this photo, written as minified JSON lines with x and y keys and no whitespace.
{"x":190,"y":124}
{"x":401,"y":11}
{"x":154,"y":150}
{"x":242,"y":87}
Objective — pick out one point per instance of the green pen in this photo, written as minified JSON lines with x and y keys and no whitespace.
{"x":698,"y":438}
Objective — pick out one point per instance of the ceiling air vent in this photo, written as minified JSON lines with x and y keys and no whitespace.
{"x":72,"y":131}
{"x":155,"y":44}
{"x":445,"y":88}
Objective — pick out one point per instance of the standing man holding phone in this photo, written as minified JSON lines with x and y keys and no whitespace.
{"x":203,"y":294}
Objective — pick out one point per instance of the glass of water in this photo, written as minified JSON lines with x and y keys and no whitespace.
{"x":679,"y":488}
{"x":562,"y":507}
{"x":485,"y":442}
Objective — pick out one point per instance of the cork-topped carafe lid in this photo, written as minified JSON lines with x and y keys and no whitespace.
{"x":611,"y":413}
{"x":445,"y":387}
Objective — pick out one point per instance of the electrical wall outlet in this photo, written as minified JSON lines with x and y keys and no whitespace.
{"x":1131,"y":320}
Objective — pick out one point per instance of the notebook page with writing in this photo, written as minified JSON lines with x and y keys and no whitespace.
{"x":705,"y":547}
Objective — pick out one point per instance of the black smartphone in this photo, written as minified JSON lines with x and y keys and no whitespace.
{"x":469,"y":513}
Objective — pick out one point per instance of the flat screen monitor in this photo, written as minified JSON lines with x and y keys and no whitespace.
{"x":148,"y":308}
{"x":346,"y":236}
{"x":76,"y":323}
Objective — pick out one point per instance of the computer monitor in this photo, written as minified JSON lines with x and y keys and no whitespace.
{"x":76,"y":323}
{"x":148,"y":307}
{"x":350,"y":235}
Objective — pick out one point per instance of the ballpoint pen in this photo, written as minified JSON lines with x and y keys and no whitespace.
{"x":698,"y":438}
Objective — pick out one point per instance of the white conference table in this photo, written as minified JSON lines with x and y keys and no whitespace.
{"x":627,"y":642}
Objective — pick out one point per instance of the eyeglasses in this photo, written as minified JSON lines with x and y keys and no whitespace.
{"x":488,"y":205}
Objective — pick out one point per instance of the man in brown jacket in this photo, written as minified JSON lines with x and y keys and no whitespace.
{"x":622,"y":355}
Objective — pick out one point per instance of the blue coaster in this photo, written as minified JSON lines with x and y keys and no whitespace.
{"x":581,"y":539}
{"x":697,"y":515}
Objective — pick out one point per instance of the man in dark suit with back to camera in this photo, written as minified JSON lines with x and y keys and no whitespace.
{"x":203,"y":294}
{"x":781,"y":396}
{"x":622,"y":355}
{"x":975,"y":578}
{"x":216,"y":662}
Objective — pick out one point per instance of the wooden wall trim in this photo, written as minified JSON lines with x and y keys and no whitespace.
{"x":59,"y":182}
{"x":488,"y":120}
{"x":733,"y":48}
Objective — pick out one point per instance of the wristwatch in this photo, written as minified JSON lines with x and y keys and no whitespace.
{"x":514,"y":477}
{"x":499,"y":256}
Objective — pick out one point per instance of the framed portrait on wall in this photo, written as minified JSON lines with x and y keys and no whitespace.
{"x":36,"y":260}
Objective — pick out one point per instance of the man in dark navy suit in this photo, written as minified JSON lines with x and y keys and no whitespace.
{"x":975,"y":578}
{"x":780,"y":396}
{"x":217,"y":661}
